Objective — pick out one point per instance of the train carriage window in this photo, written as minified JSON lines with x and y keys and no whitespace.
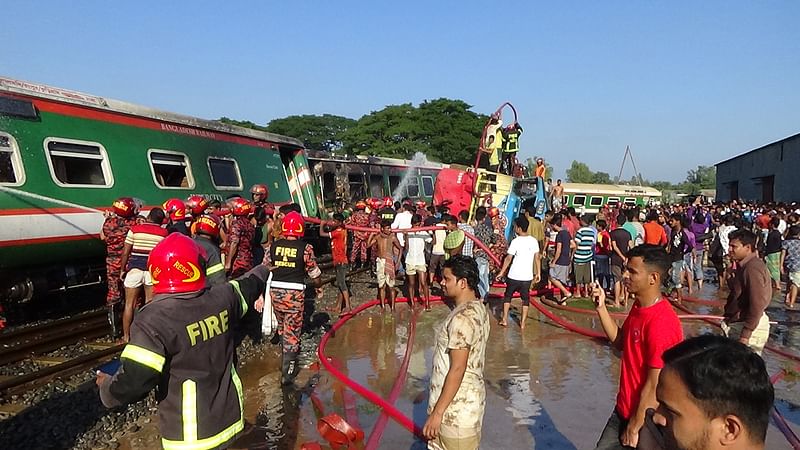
{"x":170,"y":169}
{"x":11,"y":171}
{"x":596,"y":201}
{"x":394,"y":183}
{"x":630,"y":201}
{"x":357,"y":191}
{"x":427,"y":186}
{"x":78,"y":163}
{"x":376,"y":185}
{"x":412,"y":187}
{"x":578,"y":200}
{"x":225,"y":173}
{"x":612,"y":201}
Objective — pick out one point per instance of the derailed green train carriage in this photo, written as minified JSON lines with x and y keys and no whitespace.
{"x":66,"y":156}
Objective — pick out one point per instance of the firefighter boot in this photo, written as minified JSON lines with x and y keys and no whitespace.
{"x":290,"y":368}
{"x":114,"y":319}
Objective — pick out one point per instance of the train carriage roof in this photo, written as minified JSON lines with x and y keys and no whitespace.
{"x":371,"y":160}
{"x":610,"y":189}
{"x":20,"y":87}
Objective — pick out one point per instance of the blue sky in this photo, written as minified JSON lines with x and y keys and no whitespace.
{"x":682,"y":83}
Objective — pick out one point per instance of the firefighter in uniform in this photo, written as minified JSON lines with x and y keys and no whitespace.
{"x":360,"y":218}
{"x":259,"y":193}
{"x":181,"y":343}
{"x":176,"y":211}
{"x":290,"y":259}
{"x":240,"y":238}
{"x":206,"y":229}
{"x":510,"y":147}
{"x":197,"y":205}
{"x":115,"y":228}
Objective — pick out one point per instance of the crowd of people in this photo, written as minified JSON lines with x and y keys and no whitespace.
{"x":226,"y":257}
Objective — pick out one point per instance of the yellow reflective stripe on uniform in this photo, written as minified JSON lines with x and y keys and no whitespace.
{"x":143,"y":356}
{"x":236,"y":288}
{"x":189,"y":410}
{"x":221,"y":437}
{"x":239,"y":392}
{"x":214,"y":269}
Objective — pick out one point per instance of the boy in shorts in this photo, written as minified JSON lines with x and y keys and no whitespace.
{"x":523,"y":265}
{"x":338,"y":236}
{"x":385,"y":242}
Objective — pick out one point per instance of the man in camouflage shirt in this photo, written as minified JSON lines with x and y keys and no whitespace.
{"x":457,"y":393}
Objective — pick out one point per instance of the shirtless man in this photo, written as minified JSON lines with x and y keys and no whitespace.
{"x":556,"y":196}
{"x":385,"y":242}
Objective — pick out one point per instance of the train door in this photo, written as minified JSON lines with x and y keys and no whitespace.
{"x":376,"y":182}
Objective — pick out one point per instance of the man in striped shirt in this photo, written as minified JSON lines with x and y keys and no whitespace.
{"x":585,"y":240}
{"x":139,"y":242}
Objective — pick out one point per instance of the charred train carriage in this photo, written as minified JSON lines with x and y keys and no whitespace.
{"x":66,"y":156}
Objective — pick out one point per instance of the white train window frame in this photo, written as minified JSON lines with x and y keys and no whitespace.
{"x":425,"y":192}
{"x":186,"y":163}
{"x":105,"y":164}
{"x":575,"y":198}
{"x":612,"y":201}
{"x":16,"y":160}
{"x":629,"y":201}
{"x":594,"y":204}
{"x":238,"y":187}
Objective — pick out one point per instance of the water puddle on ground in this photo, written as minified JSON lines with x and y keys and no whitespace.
{"x":547,"y":388}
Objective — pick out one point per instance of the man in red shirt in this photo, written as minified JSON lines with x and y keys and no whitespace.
{"x":338,"y":235}
{"x":650,"y":328}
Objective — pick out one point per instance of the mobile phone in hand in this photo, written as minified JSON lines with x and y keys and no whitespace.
{"x":109,"y":368}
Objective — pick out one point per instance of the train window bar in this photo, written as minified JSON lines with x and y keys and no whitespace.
{"x":170,"y":169}
{"x":75,"y":163}
{"x":225,"y":175}
{"x":12,"y":173}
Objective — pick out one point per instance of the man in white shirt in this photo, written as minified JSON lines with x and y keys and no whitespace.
{"x":416,"y":267}
{"x":524,"y":268}
{"x":402,"y":221}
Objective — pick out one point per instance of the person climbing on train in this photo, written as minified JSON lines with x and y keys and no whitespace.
{"x":173,"y":341}
{"x":206,"y":236}
{"x":115,"y":228}
{"x":239,"y":256}
{"x":338,"y":237}
{"x":511,"y":135}
{"x":139,"y":242}
{"x":494,"y":143}
{"x":385,"y":243}
{"x":289,"y":259}
{"x":175,"y":209}
{"x":360,"y":218}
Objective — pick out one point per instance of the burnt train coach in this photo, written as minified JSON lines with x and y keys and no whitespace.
{"x":66,"y":156}
{"x":349,"y":179}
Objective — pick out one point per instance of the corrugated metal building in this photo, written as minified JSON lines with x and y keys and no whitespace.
{"x":768,"y":173}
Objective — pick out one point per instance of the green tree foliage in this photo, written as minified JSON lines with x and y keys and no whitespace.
{"x":579,"y":172}
{"x":323,"y":132}
{"x":242,"y":123}
{"x":443,"y":129}
{"x":601,"y":178}
{"x":705,"y":177}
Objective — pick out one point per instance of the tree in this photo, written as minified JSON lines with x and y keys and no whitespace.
{"x":579,"y":173}
{"x":705,"y":177}
{"x":325,"y":132}
{"x":242,"y":123}
{"x":443,"y":129}
{"x":601,"y":178}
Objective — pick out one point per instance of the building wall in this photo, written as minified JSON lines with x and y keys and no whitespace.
{"x":780,"y":160}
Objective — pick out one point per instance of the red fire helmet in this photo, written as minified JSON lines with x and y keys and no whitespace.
{"x":260,"y":189}
{"x":293,"y":225}
{"x":124,"y":207}
{"x":494,"y":212}
{"x":421,"y":204}
{"x":207,"y":224}
{"x":241,"y":207}
{"x":176,"y":264}
{"x":175,"y":209}
{"x":387,"y":201}
{"x":197,"y":204}
{"x":361,"y":204}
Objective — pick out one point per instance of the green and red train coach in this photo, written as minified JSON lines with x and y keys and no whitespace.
{"x":66,"y":156}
